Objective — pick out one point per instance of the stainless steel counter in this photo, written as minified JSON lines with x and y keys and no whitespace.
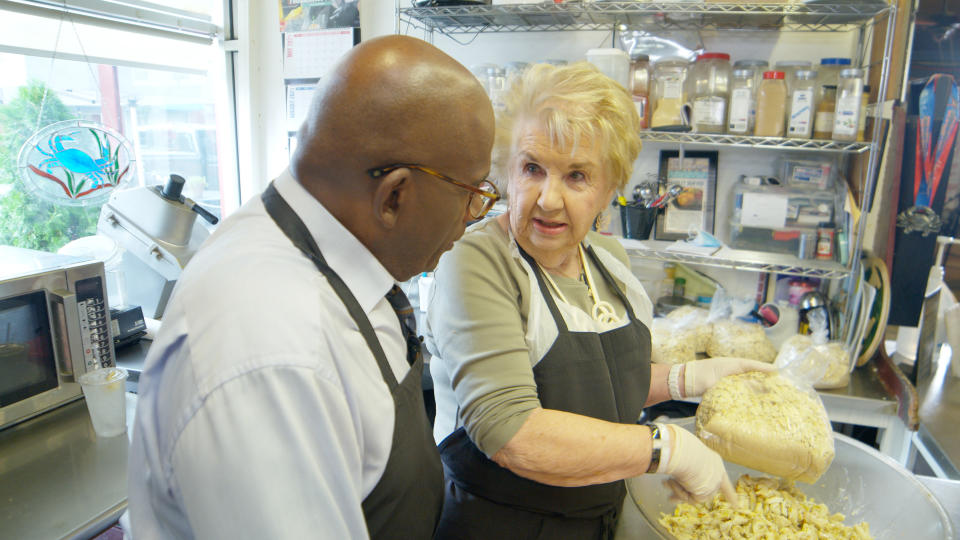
{"x":58,"y":479}
{"x":939,"y":433}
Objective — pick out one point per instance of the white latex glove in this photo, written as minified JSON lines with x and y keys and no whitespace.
{"x":700,"y":375}
{"x":696,"y":471}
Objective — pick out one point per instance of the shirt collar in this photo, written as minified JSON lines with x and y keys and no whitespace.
{"x":359,"y":269}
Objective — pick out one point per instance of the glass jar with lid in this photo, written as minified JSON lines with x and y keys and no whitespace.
{"x":667,"y":93}
{"x":771,"y":105}
{"x":823,"y":122}
{"x":801,"y":106}
{"x":497,"y":86}
{"x":708,"y":88}
{"x":864,"y":102}
{"x":640,"y":85}
{"x":846,"y":116}
{"x":742,"y":103}
{"x":829,"y":71}
{"x":790,"y":69}
{"x":758,"y":67}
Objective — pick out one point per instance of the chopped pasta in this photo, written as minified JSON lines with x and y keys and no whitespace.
{"x":770,"y":508}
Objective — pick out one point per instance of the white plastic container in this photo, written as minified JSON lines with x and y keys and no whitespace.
{"x":614,"y":63}
{"x":846,"y":118}
{"x":742,"y":103}
{"x":801,"y":105}
{"x":708,"y":88}
{"x":102,"y":248}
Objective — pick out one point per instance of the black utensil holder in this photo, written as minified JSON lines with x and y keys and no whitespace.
{"x":637,"y":222}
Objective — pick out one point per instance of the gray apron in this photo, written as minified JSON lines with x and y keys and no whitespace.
{"x":406,"y":502}
{"x":603,"y":375}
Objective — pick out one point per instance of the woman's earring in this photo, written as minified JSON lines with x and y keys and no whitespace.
{"x":602,"y":221}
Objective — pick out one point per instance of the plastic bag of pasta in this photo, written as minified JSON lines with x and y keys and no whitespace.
{"x":671,"y":344}
{"x":695,"y":323}
{"x":742,"y":340}
{"x":733,"y":337}
{"x":769,"y":423}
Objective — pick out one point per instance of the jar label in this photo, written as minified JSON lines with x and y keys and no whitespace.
{"x":709,"y":111}
{"x":741,"y":103}
{"x":801,"y":109}
{"x":673,"y":89}
{"x":846,"y":118}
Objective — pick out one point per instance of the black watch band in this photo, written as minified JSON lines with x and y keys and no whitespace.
{"x":656,"y":447}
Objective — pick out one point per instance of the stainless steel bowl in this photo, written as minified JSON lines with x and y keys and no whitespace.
{"x":861,"y":483}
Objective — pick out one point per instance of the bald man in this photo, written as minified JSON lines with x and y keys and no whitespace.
{"x":280,"y":398}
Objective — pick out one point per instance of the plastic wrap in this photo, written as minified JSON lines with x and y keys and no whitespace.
{"x":678,"y":337}
{"x":733,"y":337}
{"x":826,"y":364}
{"x":742,"y":340}
{"x":768,"y":423}
{"x":812,"y":359}
{"x":696,"y":322}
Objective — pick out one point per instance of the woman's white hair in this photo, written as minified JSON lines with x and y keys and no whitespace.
{"x":572,"y":103}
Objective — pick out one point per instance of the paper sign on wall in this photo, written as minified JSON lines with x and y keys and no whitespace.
{"x":298,"y":104}
{"x":309,"y":55}
{"x":763,"y":210}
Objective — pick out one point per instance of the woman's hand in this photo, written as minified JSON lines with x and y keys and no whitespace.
{"x":696,"y":471}
{"x":698,"y":376}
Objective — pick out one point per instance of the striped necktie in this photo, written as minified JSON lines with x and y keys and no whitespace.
{"x":408,"y":323}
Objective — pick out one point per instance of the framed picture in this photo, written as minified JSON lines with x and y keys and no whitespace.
{"x":693,"y":208}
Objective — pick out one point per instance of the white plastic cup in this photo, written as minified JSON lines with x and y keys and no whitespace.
{"x":105,"y":392}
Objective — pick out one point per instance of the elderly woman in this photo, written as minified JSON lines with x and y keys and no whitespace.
{"x":540,"y":333}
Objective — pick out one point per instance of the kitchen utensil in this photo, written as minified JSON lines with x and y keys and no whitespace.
{"x":670,"y":195}
{"x":810,"y":302}
{"x":646,"y":192}
{"x":858,"y":484}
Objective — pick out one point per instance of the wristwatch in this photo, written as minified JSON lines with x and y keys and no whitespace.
{"x":657,"y":447}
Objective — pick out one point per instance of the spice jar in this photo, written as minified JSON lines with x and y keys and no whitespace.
{"x":667,"y":94}
{"x":790,"y":69}
{"x":708,"y":87}
{"x":742,"y":103}
{"x":823,"y":122}
{"x":640,"y":86}
{"x":497,"y":86}
{"x":771,"y":105}
{"x":862,"y":125}
{"x":846,"y":116}
{"x":800,"y":119}
{"x":758,"y":67}
{"x":825,"y":241}
{"x":679,"y":286}
{"x":829,"y":71}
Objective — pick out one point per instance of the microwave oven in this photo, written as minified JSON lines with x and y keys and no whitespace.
{"x":54,"y":326}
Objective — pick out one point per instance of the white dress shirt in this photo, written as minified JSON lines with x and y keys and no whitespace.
{"x":262,"y":412}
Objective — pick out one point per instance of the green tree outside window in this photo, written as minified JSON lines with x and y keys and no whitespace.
{"x":27,"y":221}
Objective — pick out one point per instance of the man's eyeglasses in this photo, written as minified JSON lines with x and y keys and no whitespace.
{"x":482,"y":196}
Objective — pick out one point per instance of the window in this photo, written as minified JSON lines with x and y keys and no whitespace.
{"x":159,"y":88}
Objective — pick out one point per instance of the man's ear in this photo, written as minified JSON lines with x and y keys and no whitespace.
{"x":391,"y":194}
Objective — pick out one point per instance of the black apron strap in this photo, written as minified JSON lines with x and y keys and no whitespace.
{"x":297,"y":232}
{"x":545,"y":291}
